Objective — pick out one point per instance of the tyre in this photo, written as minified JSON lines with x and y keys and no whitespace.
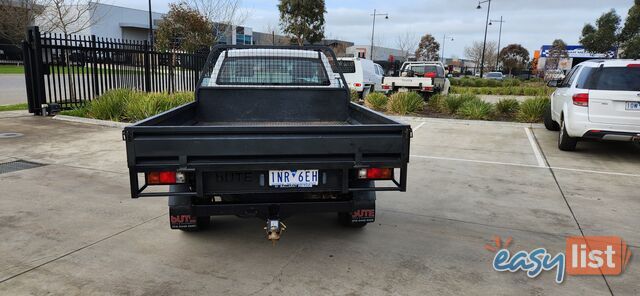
{"x":548,"y":120}
{"x":566,"y":142}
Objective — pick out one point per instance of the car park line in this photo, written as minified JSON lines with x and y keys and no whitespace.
{"x":419,"y":126}
{"x":536,"y":149}
{"x":526,"y":165}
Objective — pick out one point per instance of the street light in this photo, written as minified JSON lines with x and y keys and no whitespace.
{"x":373,"y":29}
{"x":444,"y":40}
{"x":499,"y":38}
{"x":150,"y":25}
{"x":486,"y":27}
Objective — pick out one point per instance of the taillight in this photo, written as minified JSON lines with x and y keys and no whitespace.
{"x":386,"y":87}
{"x":165,"y":178}
{"x":427,"y":88}
{"x":633,"y":66}
{"x":357,"y":84}
{"x":430,"y":75}
{"x":376,"y":173}
{"x":581,"y":100}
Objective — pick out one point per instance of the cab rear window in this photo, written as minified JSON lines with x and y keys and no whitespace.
{"x":347,"y":66}
{"x":272,"y":71}
{"x":610,"y":78}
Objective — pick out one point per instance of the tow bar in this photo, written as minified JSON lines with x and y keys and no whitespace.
{"x":274,"y":230}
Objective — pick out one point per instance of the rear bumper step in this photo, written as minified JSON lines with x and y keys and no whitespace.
{"x":612,"y":136}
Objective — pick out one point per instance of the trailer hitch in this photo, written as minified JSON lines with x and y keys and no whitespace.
{"x":274,"y":230}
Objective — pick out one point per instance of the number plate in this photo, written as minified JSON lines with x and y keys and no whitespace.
{"x":293,"y":178}
{"x":634,"y":106}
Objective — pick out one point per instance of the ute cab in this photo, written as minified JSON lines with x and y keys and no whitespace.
{"x":597,"y":99}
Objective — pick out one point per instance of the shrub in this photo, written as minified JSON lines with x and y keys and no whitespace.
{"x":355,"y":97}
{"x":492,"y":83}
{"x":532,"y":110}
{"x":453,"y":103}
{"x":476,"y":109}
{"x":110,"y":105}
{"x":436,"y":103}
{"x":405,"y":102}
{"x":507,"y":106}
{"x":377,"y":101}
{"x":479,"y":82}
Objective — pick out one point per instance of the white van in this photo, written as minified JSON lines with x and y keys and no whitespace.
{"x":362,"y":75}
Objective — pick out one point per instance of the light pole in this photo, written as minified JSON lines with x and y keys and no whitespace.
{"x":150,"y":25}
{"x":499,"y":39}
{"x":486,"y":27}
{"x":444,"y":40}
{"x":373,"y":29}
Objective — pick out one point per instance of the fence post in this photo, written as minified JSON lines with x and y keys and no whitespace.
{"x":147,"y":67}
{"x":94,"y":66}
{"x":36,"y":71}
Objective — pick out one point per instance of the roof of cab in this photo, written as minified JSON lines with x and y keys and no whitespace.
{"x":273,"y":52}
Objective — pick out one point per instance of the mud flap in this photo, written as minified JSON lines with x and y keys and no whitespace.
{"x":364,"y":206}
{"x":181,"y":218}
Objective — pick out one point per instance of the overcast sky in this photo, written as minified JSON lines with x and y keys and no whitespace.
{"x":531,"y":23}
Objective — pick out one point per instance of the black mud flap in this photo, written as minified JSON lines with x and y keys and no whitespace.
{"x":181,"y":218}
{"x":364,"y":206}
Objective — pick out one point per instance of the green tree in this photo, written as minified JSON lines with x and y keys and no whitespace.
{"x":303,"y":20}
{"x":428,"y":49}
{"x":514,"y":57}
{"x":184,"y":28}
{"x":607,"y":34}
{"x":602,"y":37}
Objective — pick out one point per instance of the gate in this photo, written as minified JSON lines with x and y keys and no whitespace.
{"x":71,"y":70}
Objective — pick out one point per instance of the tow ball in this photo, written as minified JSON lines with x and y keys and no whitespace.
{"x":274,"y":230}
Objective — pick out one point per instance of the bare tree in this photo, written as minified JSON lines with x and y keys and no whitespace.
{"x":16,"y":16}
{"x":223,"y":14}
{"x":69,"y":16}
{"x":474,"y":53}
{"x":407,"y":43}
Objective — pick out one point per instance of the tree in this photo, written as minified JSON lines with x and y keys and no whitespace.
{"x":303,"y":20}
{"x":514,"y":57}
{"x":184,"y":28}
{"x":69,"y":16}
{"x":474,"y":53}
{"x":607,"y":34}
{"x":602,"y":37}
{"x":406,"y":43}
{"x":558,"y":51}
{"x":16,"y":16}
{"x":428,"y":49}
{"x":222,"y":14}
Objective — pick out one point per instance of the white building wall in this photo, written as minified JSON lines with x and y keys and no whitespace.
{"x":379,"y":53}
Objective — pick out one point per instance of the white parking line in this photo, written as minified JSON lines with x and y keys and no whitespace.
{"x":419,"y":126}
{"x":526,"y":165}
{"x":536,"y":148}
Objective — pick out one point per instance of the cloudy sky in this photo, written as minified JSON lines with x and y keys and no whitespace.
{"x":531,"y":23}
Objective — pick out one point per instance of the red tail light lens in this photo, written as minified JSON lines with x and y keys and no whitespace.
{"x":376,"y":173}
{"x":430,"y":74}
{"x":386,"y":87}
{"x":357,"y":84}
{"x":633,"y":66}
{"x":161,"y":178}
{"x":581,"y":100}
{"x":427,"y":88}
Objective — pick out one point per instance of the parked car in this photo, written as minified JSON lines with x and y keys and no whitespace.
{"x":494,"y":76}
{"x":426,"y":78}
{"x":362,"y":75}
{"x":598,"y":99}
{"x":270,"y":134}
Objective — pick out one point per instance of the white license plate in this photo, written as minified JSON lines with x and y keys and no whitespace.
{"x":634,"y":106}
{"x":293,"y":178}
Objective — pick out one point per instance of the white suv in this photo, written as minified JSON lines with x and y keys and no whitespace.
{"x":598,"y":99}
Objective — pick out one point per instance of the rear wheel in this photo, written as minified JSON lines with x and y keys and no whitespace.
{"x":565,"y":142}
{"x":548,"y":120}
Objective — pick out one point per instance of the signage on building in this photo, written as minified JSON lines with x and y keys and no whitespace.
{"x":577,"y":51}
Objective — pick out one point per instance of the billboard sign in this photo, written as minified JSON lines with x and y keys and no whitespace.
{"x":577,"y":51}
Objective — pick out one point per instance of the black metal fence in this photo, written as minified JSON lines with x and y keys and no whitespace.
{"x":70,"y":70}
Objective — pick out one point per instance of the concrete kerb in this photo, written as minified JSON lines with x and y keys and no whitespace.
{"x":467,"y":122}
{"x":92,"y":121}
